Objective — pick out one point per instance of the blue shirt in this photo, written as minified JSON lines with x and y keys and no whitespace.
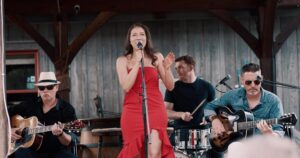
{"x":269,"y":106}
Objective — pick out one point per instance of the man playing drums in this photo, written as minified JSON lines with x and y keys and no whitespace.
{"x":185,"y":103}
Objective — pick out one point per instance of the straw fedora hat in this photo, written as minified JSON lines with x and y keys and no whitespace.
{"x":47,"y":78}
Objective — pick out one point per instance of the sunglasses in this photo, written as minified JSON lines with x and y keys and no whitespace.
{"x":49,"y":87}
{"x":249,"y":82}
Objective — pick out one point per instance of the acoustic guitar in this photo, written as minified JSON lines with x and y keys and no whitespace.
{"x":241,"y":124}
{"x":31,"y":132}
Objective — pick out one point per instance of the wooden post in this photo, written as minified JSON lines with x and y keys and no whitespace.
{"x":65,"y":86}
{"x":4,"y":119}
{"x":267,"y":59}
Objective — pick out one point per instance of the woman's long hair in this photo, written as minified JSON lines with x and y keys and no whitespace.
{"x":148,"y":49}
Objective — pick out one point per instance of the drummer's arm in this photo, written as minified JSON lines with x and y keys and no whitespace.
{"x":173,"y":114}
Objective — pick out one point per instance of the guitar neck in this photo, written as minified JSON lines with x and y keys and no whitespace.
{"x":252,"y":124}
{"x":41,"y":129}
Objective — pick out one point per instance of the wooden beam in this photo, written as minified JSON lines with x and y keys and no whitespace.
{"x":60,"y":31}
{"x":34,"y":34}
{"x":228,"y":19}
{"x":65,"y":86}
{"x":290,"y":27}
{"x":260,"y":24}
{"x":94,"y":26}
{"x":48,"y":7}
{"x":61,"y":36}
{"x":267,"y":60}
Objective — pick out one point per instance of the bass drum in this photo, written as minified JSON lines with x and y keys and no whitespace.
{"x":180,"y":154}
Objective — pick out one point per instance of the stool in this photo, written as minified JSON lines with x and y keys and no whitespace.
{"x":88,"y":146}
{"x":110,"y":141}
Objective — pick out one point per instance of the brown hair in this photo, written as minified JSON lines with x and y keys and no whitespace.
{"x":251,"y":67}
{"x":187,"y":59}
{"x":149,"y":50}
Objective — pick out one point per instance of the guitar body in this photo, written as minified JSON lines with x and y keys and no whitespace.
{"x":31,"y":132}
{"x":27,"y":139}
{"x":229,"y":120}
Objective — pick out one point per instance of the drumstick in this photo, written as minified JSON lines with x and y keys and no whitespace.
{"x":199,"y":106}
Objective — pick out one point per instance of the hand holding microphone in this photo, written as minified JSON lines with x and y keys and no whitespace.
{"x":138,"y":54}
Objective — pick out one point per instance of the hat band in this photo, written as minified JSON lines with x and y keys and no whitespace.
{"x":42,"y":81}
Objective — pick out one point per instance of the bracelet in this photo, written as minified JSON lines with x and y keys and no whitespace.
{"x":60,"y":134}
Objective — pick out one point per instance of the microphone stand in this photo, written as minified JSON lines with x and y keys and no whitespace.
{"x":226,"y":85}
{"x":222,"y":83}
{"x":147,"y":135}
{"x":281,"y":84}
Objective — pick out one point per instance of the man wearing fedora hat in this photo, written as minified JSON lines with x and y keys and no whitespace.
{"x":50,"y":109}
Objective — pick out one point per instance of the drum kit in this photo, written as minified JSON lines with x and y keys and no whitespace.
{"x":188,"y":142}
{"x":191,"y":142}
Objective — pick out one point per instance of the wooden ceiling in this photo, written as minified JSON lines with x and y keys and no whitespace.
{"x":62,"y":53}
{"x":69,"y":7}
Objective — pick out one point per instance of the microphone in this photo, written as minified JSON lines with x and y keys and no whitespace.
{"x":223,"y":81}
{"x":227,"y":77}
{"x":139,"y":45}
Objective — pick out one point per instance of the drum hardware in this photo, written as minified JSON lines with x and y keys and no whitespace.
{"x":181,"y":154}
{"x":192,"y":139}
{"x":190,"y":154}
{"x":170,"y":130}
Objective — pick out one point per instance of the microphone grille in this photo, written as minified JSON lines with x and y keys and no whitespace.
{"x":139,"y":45}
{"x":228,"y":76}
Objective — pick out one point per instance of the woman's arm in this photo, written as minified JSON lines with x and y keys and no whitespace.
{"x":163,"y":66}
{"x":126,"y":79}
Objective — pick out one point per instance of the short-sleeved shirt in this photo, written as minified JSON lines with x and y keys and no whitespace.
{"x":269,"y":106}
{"x":187,"y":96}
{"x":62,"y":112}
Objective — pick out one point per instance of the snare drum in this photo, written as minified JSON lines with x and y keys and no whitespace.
{"x":192,"y":139}
{"x":180,"y":154}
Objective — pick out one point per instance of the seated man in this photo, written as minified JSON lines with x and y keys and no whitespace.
{"x":251,"y":98}
{"x":50,"y":110}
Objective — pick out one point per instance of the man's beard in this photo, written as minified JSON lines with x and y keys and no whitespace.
{"x":46,"y":97}
{"x":253,"y":91}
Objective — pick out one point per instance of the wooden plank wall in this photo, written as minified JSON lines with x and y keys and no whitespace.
{"x":287,"y":66}
{"x":216,"y":48}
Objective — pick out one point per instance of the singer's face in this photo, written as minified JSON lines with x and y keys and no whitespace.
{"x":183,"y":70}
{"x":137,"y":35}
{"x":253,"y":88}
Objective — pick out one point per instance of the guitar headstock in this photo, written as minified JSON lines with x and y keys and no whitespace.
{"x":288,"y":119}
{"x":74,"y":126}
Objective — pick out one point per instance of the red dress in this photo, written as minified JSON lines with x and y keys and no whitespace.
{"x":132,"y":119}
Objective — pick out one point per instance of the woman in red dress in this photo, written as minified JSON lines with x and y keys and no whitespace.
{"x":129,"y":74}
